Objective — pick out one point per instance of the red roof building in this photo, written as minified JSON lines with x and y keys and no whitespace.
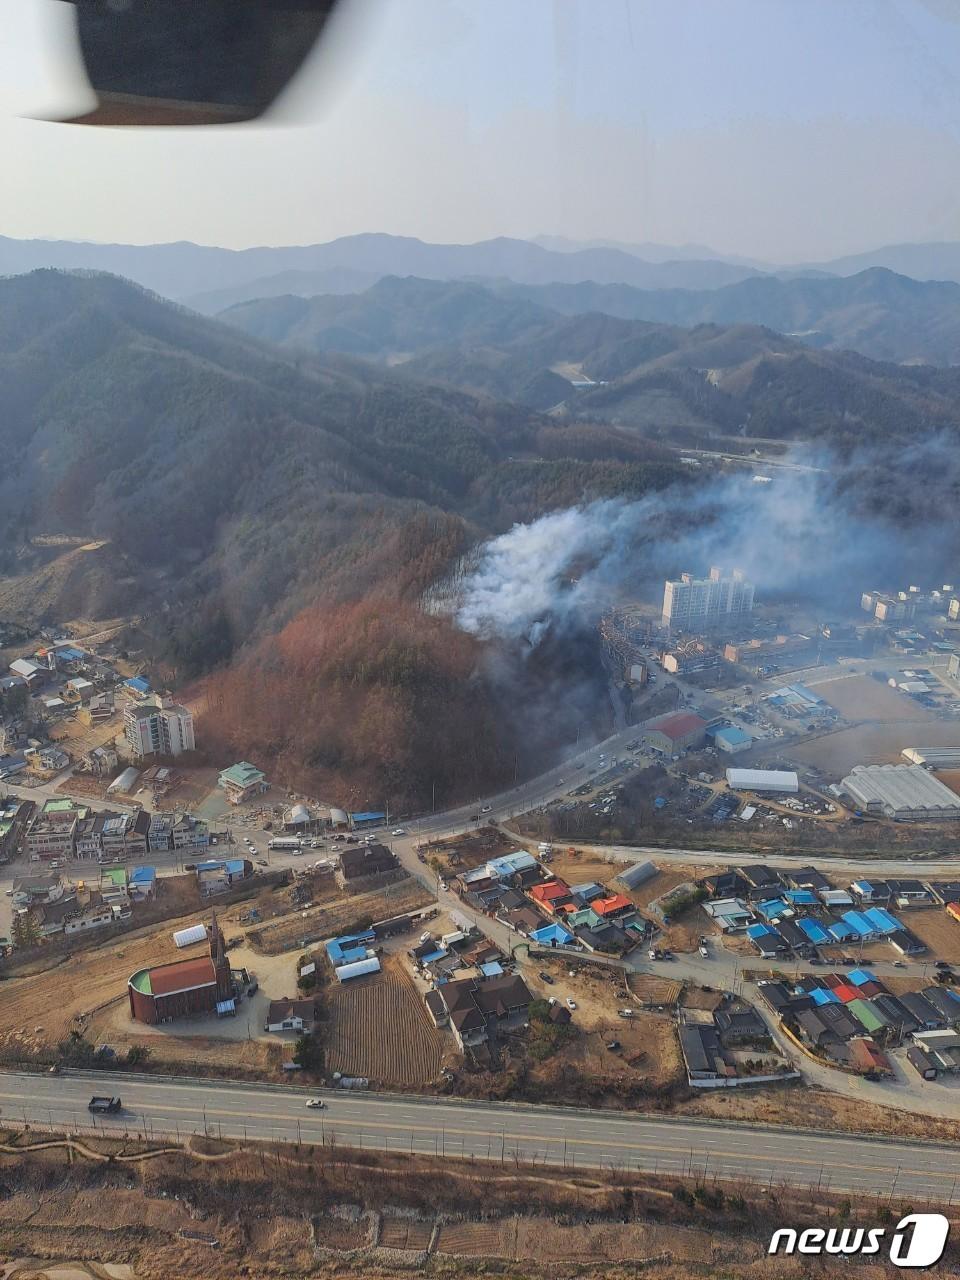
{"x":846,"y":993}
{"x":676,"y":732}
{"x":197,"y":985}
{"x":551,"y":895}
{"x":615,"y":905}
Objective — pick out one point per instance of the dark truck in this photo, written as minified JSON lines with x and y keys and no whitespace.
{"x":104,"y":1104}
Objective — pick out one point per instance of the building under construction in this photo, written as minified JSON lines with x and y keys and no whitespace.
{"x":626,"y":632}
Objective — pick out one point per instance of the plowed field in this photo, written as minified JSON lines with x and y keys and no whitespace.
{"x":379,"y":1028}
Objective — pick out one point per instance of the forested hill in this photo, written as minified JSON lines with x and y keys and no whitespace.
{"x":876,"y":312}
{"x":252,"y":480}
{"x":660,"y":379}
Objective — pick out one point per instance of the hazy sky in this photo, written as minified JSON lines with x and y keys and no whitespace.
{"x":781,"y":129}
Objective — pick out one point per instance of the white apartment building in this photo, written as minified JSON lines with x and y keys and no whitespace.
{"x":161,"y":728}
{"x":701,"y":604}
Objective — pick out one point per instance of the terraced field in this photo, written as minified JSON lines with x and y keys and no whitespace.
{"x":379,"y":1028}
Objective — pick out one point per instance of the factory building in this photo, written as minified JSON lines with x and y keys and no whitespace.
{"x":730,"y":739}
{"x":701,"y":604}
{"x":933,"y":757}
{"x":763,"y":780}
{"x":200,"y":985}
{"x":904,"y":792}
{"x":675,"y":732}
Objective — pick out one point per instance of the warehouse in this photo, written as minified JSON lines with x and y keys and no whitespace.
{"x":631,"y":877}
{"x":904,"y":792}
{"x":763,"y":780}
{"x":935,"y":757}
{"x":730,"y":739}
{"x":676,"y":732}
{"x":200,"y":985}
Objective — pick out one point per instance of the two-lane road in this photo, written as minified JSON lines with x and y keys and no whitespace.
{"x":494,"y":1131}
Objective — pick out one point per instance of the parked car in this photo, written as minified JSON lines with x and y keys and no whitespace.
{"x":613,"y":1045}
{"x":262,"y":862}
{"x":443,"y":886}
{"x":400,"y":831}
{"x":486,"y":808}
{"x":545,"y":977}
{"x":316,"y":1104}
{"x":625,"y":1013}
{"x":189,"y":866}
{"x":942,"y":964}
{"x":571,"y":1003}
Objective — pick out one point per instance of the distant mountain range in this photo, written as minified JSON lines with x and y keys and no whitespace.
{"x":209,"y":279}
{"x":876,"y":312}
{"x":651,"y":377}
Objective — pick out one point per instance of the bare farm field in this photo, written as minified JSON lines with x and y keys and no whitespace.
{"x":860,"y":698}
{"x":876,"y":742}
{"x":339,"y":915}
{"x":938,"y":930}
{"x":379,"y":1028}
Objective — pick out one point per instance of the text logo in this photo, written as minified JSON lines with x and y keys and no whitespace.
{"x":918,"y":1240}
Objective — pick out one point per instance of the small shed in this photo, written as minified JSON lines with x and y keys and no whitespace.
{"x":188,"y":937}
{"x":632,"y":876}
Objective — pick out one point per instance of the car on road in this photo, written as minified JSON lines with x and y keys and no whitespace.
{"x":474,"y":817}
{"x":625,"y":1013}
{"x":486,"y":808}
{"x":262,"y":862}
{"x":899,"y":964}
{"x":399,"y":831}
{"x":942,"y":964}
{"x":571,"y":1003}
{"x":189,"y":866}
{"x":316,"y":1104}
{"x":545,"y":977}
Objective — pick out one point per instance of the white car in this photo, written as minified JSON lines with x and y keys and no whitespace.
{"x":443,"y":886}
{"x":571,"y":1003}
{"x":486,"y":808}
{"x":400,"y":831}
{"x":316,"y":1104}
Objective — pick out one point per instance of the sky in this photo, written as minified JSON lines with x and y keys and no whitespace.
{"x":780,"y":130}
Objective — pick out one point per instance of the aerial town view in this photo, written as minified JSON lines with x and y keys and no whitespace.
{"x":479,"y":702}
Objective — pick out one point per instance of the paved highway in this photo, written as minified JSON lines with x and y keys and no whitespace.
{"x":494,"y":1131}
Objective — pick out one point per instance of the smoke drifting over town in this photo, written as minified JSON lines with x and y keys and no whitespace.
{"x":822,"y":535}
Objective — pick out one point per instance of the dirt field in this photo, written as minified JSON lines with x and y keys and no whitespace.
{"x":337,"y":914}
{"x":79,"y":738}
{"x":649,"y":1050}
{"x":471,"y":1221}
{"x":938,"y":930}
{"x":860,"y":698}
{"x":41,"y":1009}
{"x":379,"y":1028}
{"x":837,"y":753}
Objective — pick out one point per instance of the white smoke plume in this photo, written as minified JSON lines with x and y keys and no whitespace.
{"x":803,"y":535}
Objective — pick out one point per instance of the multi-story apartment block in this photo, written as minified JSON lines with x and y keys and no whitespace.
{"x":702,"y":604}
{"x":160,"y":728}
{"x":54,"y":832}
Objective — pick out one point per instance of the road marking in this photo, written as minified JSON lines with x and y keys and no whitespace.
{"x":571,"y":1142}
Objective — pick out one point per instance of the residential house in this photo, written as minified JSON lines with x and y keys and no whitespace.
{"x":102,"y":760}
{"x":739,"y":1025}
{"x":477,"y":1007}
{"x":807,"y":878}
{"x":550,"y":895}
{"x":724,"y":884}
{"x":766,"y":939}
{"x":291,"y":1015}
{"x":703,"y":1053}
{"x":926,"y":1015}
{"x":910,"y":893}
{"x":762,"y":881}
{"x":367,"y":865}
{"x":732,"y":914}
{"x":242,"y":781}
{"x":945,"y":1003}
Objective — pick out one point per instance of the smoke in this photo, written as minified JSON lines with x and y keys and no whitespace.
{"x":821,"y":535}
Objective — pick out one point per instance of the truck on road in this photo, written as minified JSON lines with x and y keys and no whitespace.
{"x":104,"y":1104}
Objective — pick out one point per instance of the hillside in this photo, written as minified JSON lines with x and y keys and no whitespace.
{"x":875,"y":312}
{"x":233,"y":487}
{"x":674,"y":382}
